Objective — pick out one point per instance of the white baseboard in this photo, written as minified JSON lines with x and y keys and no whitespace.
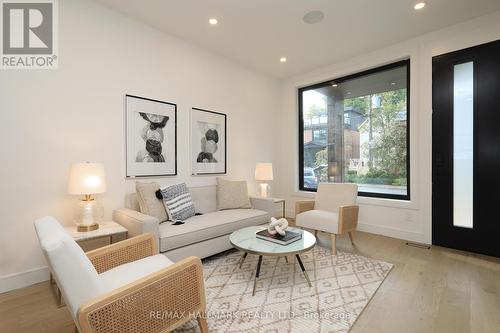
{"x":392,"y":232}
{"x":23,"y":279}
{"x":384,"y":231}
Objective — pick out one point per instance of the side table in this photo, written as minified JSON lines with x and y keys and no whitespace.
{"x":109,"y":232}
{"x":283,"y":205}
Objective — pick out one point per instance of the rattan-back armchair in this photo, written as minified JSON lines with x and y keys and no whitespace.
{"x":159,"y":302}
{"x":123,"y":287}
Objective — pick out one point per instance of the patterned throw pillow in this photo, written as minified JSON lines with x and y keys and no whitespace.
{"x":178,"y":202}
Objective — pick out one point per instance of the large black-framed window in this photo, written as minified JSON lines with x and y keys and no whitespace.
{"x":356,"y":129}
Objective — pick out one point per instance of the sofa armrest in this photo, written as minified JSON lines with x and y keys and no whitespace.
{"x":132,"y":249}
{"x":265,"y":204}
{"x":348,"y":218}
{"x":303,"y":206}
{"x":137,"y":223}
{"x":159,"y":302}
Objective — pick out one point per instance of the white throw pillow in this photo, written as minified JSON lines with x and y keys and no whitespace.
{"x":178,"y":202}
{"x":232,"y":194}
{"x":148,"y":202}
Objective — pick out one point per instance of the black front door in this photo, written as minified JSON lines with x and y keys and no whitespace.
{"x":466,"y":149}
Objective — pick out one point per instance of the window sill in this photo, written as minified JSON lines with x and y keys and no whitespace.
{"x":369,"y":201}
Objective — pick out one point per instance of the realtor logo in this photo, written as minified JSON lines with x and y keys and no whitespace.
{"x":29,"y":35}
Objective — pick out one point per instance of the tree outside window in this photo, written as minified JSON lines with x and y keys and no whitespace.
{"x":364,"y":134}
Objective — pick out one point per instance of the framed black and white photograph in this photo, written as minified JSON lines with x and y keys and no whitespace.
{"x":208,"y":142}
{"x":151,"y":137}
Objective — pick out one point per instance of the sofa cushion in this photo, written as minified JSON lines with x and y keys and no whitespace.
{"x":124,"y":274}
{"x":232,"y":194}
{"x":148,"y":202}
{"x":318,"y":220}
{"x":204,"y":198}
{"x":210,"y":225}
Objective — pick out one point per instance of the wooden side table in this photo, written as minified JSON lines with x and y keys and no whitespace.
{"x":109,"y":232}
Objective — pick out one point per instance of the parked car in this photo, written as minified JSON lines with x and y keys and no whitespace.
{"x":310,"y":179}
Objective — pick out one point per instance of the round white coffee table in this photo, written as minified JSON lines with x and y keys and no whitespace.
{"x":246,"y":241}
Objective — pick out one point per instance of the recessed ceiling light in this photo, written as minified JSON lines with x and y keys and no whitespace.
{"x":213,"y":21}
{"x":314,"y":17}
{"x":348,"y":93}
{"x":393,"y":83}
{"x":419,"y":5}
{"x":335,"y":85}
{"x":282,"y":59}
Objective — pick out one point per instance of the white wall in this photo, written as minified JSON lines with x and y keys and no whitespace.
{"x":51,"y":118}
{"x":406,"y":220}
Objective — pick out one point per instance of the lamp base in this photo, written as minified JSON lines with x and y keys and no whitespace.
{"x":87,"y":228}
{"x":264,"y":190}
{"x":87,"y":214}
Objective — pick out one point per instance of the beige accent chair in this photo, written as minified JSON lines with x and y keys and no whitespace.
{"x":123,"y":287}
{"x":333,"y":211}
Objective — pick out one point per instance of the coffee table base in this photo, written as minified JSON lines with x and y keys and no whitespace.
{"x":257,"y":272}
{"x":243,"y":258}
{"x":303,"y":270}
{"x":259,"y":264}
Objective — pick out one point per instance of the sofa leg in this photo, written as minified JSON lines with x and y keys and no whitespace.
{"x":334,"y":244}
{"x":202,"y":322}
{"x":350,"y":237}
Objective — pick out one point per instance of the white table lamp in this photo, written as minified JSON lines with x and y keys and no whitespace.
{"x":264,"y":172}
{"x":87,"y":179}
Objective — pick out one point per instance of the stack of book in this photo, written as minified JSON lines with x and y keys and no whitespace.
{"x":288,"y":238}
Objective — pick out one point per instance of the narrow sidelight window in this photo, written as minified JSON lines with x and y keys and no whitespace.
{"x":463,"y":144}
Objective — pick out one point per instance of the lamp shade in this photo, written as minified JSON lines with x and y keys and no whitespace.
{"x":264,"y":171}
{"x":87,"y":178}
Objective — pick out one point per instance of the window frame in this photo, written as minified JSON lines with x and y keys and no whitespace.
{"x":375,"y":70}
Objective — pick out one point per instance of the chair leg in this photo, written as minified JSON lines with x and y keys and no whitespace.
{"x":202,"y":322}
{"x":350,"y":237}
{"x":334,"y":244}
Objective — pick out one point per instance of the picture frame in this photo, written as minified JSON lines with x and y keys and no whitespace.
{"x":208,"y":142}
{"x":150,"y":137}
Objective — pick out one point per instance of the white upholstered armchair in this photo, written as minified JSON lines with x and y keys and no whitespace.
{"x":124,"y":287}
{"x":333,"y":211}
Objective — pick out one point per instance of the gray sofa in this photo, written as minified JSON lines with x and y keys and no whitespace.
{"x":202,"y":235}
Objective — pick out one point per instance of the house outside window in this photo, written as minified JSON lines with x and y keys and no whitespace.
{"x":355,"y":129}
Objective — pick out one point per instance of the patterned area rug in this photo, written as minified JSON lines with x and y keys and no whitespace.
{"x":283,"y":302}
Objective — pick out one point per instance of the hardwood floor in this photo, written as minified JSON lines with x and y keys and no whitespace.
{"x":33,"y":309}
{"x":436,"y":290}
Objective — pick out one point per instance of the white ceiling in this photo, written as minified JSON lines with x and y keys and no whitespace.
{"x":256,"y":33}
